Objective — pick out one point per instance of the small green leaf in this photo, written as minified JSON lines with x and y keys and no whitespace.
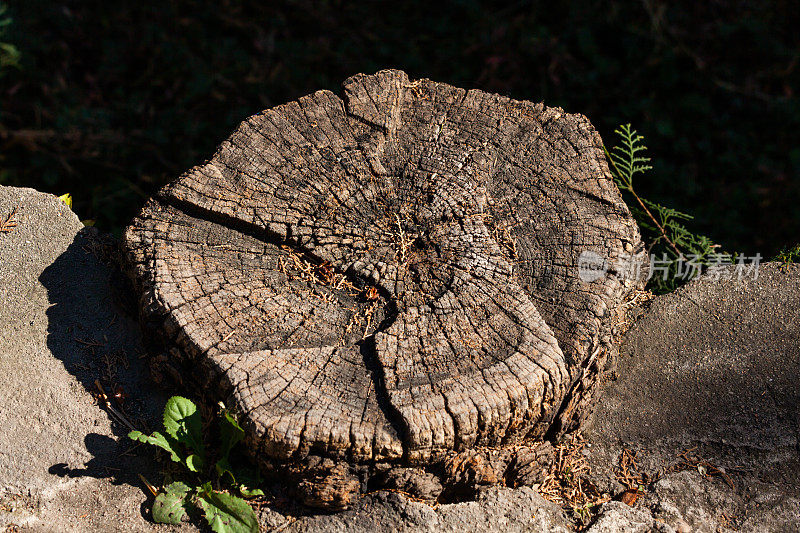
{"x":247,"y":481}
{"x":67,"y":199}
{"x":223,"y":467}
{"x":170,"y":505}
{"x":195,"y":463}
{"x":182,"y":421}
{"x":227,"y":513}
{"x":230,"y":434}
{"x":250,"y":493}
{"x":157,"y":439}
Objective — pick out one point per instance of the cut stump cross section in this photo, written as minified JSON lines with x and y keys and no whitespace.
{"x":392,"y":275}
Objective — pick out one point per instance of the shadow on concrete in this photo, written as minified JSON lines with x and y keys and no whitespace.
{"x":104,"y":449}
{"x":92,"y":330}
{"x":712,"y":369}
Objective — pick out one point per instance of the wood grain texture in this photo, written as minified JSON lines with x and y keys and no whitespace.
{"x":391,"y":275}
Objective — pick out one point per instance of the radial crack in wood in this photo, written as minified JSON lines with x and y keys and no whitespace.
{"x":391,"y":276}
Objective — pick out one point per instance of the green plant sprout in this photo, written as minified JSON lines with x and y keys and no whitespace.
{"x":183,"y":441}
{"x":662,"y":226}
{"x":788,"y":255}
{"x":67,"y":199}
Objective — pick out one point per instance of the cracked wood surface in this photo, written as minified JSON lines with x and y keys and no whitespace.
{"x":392,"y":274}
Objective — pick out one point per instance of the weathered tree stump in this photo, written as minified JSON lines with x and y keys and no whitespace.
{"x":391,"y":276}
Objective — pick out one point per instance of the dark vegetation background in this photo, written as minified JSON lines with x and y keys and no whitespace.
{"x":113,"y":99}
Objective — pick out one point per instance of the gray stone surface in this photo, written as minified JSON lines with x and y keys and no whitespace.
{"x":498,"y":509}
{"x":617,"y":516}
{"x":713,"y":368}
{"x":61,"y":467}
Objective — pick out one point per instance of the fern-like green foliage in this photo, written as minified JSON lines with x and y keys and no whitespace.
{"x":674,"y":246}
{"x":627,"y":158}
{"x":789,"y":255}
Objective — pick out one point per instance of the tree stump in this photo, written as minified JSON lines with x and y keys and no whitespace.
{"x":391,"y":276}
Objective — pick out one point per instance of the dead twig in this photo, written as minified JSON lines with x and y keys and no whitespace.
{"x":113,"y":410}
{"x":89,"y":343}
{"x":705,"y":468}
{"x":629,"y":473}
{"x":567,"y":483}
{"x":10,"y":222}
{"x":147,"y":484}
